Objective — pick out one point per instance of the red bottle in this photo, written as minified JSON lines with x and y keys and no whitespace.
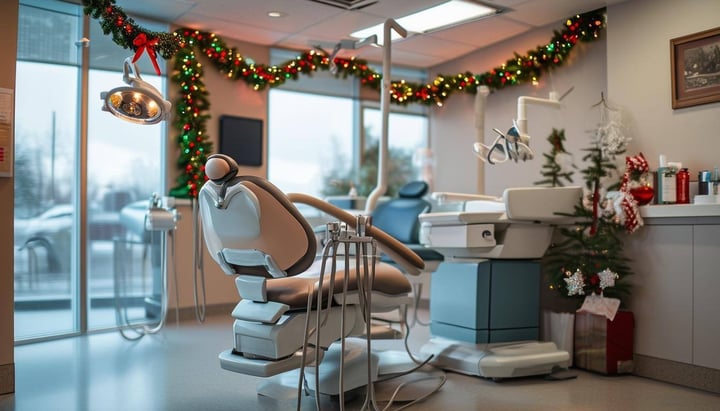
{"x":682,"y":193}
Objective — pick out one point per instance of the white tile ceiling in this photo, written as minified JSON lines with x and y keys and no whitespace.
{"x":307,"y":23}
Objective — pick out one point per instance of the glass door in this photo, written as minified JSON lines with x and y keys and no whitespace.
{"x":63,"y":173}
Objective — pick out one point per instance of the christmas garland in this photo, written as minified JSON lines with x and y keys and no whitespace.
{"x":192,"y":106}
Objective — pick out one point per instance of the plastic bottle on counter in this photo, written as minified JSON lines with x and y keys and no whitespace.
{"x":682,"y":184}
{"x":666,"y":183}
{"x":704,"y":183}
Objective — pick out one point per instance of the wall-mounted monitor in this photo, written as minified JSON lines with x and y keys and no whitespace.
{"x":242,"y":139}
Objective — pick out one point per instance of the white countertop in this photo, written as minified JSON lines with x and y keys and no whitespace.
{"x":680,"y":210}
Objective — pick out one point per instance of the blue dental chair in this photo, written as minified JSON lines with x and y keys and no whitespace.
{"x":399,"y":218}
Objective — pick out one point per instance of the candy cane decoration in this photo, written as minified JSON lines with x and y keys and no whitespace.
{"x":629,"y":206}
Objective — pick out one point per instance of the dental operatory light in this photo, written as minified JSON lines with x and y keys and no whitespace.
{"x":438,"y":17}
{"x":515,"y":144}
{"x":139,"y":102}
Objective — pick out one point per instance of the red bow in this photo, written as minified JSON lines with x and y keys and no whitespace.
{"x":142,"y":43}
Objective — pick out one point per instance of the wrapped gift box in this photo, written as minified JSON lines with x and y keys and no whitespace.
{"x":602,"y":345}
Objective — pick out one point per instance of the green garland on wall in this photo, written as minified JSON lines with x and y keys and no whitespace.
{"x":193,"y":104}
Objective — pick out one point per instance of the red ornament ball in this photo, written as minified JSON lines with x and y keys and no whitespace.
{"x":643,"y":194}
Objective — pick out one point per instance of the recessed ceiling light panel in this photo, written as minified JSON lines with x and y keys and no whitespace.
{"x":441,"y":16}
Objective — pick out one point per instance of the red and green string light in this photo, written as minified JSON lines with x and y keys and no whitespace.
{"x":192,"y":107}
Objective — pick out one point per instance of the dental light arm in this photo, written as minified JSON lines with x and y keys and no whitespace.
{"x":347,"y":44}
{"x":522,"y":121}
{"x":381,"y":186}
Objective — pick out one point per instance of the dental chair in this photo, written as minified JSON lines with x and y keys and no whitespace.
{"x":399,"y":217}
{"x":292,"y":311}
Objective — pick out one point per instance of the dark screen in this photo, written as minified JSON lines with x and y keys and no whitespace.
{"x":241,"y":138}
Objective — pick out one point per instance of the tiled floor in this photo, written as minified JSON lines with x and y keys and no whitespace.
{"x":177,"y":369}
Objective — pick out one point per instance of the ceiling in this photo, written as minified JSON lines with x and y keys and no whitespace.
{"x":307,"y":23}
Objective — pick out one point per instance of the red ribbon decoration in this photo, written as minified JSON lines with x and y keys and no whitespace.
{"x":142,"y":43}
{"x":633,"y":220}
{"x":638,"y":164}
{"x":595,"y":201}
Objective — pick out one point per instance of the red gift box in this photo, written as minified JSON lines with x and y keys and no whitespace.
{"x":602,"y":345}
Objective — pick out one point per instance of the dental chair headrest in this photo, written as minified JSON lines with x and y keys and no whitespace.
{"x":413,"y":189}
{"x":221,"y":170}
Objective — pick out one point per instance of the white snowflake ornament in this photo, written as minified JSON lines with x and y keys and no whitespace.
{"x":607,"y":278}
{"x":575,"y":283}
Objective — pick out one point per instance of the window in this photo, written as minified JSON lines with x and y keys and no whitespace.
{"x":322,"y":138}
{"x":407,"y":137}
{"x":310,"y":136}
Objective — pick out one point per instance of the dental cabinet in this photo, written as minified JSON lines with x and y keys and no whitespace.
{"x":676,"y":284}
{"x":486,"y":302}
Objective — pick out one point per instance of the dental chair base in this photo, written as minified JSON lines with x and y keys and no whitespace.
{"x":484,"y":318}
{"x":274,"y":345}
{"x":354,"y":368}
{"x":497,"y":361}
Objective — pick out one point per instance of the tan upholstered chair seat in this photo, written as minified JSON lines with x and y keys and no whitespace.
{"x":294,"y":291}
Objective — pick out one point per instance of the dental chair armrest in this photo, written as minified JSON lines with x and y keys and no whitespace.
{"x":444,"y":197}
{"x":252,"y":258}
{"x":252,"y":287}
{"x":266,"y":313}
{"x":397,"y":251}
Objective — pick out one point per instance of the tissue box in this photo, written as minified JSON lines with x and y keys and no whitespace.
{"x":602,"y":345}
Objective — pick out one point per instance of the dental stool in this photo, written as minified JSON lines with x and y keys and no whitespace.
{"x":254,"y":231}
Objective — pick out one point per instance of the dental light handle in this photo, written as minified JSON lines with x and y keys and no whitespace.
{"x":381,"y":186}
{"x":130,"y":67}
{"x":136,"y":80}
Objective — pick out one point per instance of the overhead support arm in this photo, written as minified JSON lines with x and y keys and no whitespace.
{"x":381,"y":186}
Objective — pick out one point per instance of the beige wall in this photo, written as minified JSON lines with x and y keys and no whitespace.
{"x":638,"y":62}
{"x":8,"y":51}
{"x":226,"y":97}
{"x":631,"y":63}
{"x":453,"y":125}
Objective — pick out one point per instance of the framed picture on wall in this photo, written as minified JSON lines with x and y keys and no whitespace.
{"x":695,"y":72}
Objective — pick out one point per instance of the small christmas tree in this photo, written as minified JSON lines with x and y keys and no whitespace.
{"x":589,"y":257}
{"x":557,"y":162}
